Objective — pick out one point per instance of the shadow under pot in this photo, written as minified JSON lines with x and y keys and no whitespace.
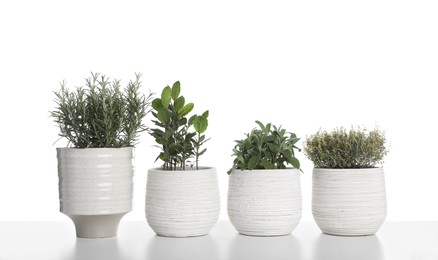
{"x":95,"y":188}
{"x":349,"y":202}
{"x":182,"y":203}
{"x":264,"y":202}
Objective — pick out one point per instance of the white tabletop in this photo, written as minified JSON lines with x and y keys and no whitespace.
{"x":56,"y":240}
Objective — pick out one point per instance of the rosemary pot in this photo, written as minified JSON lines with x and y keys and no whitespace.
{"x":182,"y":203}
{"x":349,"y":202}
{"x":264,"y":202}
{"x":95,"y":188}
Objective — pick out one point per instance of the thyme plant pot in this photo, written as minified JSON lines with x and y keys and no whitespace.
{"x":95,"y":188}
{"x":264,"y":202}
{"x":182,"y":203}
{"x":349,"y":202}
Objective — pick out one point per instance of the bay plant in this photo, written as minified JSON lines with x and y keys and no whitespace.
{"x":101,"y":113}
{"x":179,"y":136}
{"x":343,"y":149}
{"x":266,"y":147}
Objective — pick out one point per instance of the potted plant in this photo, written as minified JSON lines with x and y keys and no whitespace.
{"x":182,"y":198}
{"x":349,"y":196}
{"x":101,"y":123}
{"x":264,"y":195}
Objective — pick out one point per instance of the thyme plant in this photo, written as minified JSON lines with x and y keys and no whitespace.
{"x":178,"y":143}
{"x":269,"y":147}
{"x":356,"y":148}
{"x":101,"y":114}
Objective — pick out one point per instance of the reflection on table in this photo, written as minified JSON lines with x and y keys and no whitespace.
{"x":329,"y":247}
{"x":254,"y":248}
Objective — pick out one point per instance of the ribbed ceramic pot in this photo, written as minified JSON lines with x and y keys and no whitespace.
{"x":95,"y":188}
{"x":349,"y":202}
{"x":182,"y":203}
{"x":264,"y":202}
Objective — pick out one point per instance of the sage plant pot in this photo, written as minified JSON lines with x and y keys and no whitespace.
{"x":182,"y":203}
{"x":349,"y":202}
{"x":264,"y":202}
{"x":95,"y":188}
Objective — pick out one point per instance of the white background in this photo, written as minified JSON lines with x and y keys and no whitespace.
{"x":302,"y":64}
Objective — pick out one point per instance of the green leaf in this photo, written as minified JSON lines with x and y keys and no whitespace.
{"x":185,"y":110}
{"x":261,"y":125}
{"x":287,"y":154}
{"x":163,"y":115}
{"x":191,"y":119}
{"x":202,"y":152}
{"x":176,"y":89}
{"x":267,"y":164}
{"x":182,"y":121}
{"x":273,"y":147}
{"x":167,"y":134}
{"x":295,"y":163}
{"x":200,"y":124}
{"x":179,"y":103}
{"x":205,"y":114}
{"x":166,"y":97}
{"x":156,"y":104}
{"x":241,"y":159}
{"x":253,"y":162}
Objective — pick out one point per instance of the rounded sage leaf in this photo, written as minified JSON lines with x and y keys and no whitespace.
{"x":176,"y":89}
{"x":200,"y":124}
{"x":166,"y":97}
{"x":185,"y":110}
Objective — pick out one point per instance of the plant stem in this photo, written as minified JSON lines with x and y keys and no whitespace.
{"x":197,"y":150}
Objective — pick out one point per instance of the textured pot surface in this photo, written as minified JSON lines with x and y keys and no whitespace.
{"x":95,"y":182}
{"x":264,"y":202}
{"x":349,"y":202}
{"x":182,"y":203}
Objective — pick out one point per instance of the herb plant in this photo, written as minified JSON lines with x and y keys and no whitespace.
{"x":269,"y":147}
{"x":357,"y":148}
{"x":101,"y":114}
{"x":178,"y":143}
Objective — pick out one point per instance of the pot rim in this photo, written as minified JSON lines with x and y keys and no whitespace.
{"x":288,"y":169}
{"x":97,"y":149}
{"x":201,"y":169}
{"x":348,"y":169}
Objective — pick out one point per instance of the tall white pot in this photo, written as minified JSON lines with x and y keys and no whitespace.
{"x":349,"y":202}
{"x":182,"y":203}
{"x":95,"y":188}
{"x":264,"y":202}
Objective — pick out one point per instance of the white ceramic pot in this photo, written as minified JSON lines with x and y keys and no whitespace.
{"x":349,"y":202}
{"x":95,"y":188}
{"x":264,"y":202}
{"x":182,"y":203}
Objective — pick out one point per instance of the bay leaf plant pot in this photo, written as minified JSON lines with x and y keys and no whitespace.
{"x":95,"y":188}
{"x":349,"y":202}
{"x":182,"y":203}
{"x":182,"y":199}
{"x":264,"y":202}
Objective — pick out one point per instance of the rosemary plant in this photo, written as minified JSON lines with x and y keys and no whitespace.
{"x":356,"y":148}
{"x":269,"y":147}
{"x":101,"y":114}
{"x":178,"y":144}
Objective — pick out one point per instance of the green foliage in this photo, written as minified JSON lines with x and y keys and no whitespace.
{"x":101,"y":114}
{"x":174,"y":137}
{"x":357,"y":148}
{"x":269,"y":147}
